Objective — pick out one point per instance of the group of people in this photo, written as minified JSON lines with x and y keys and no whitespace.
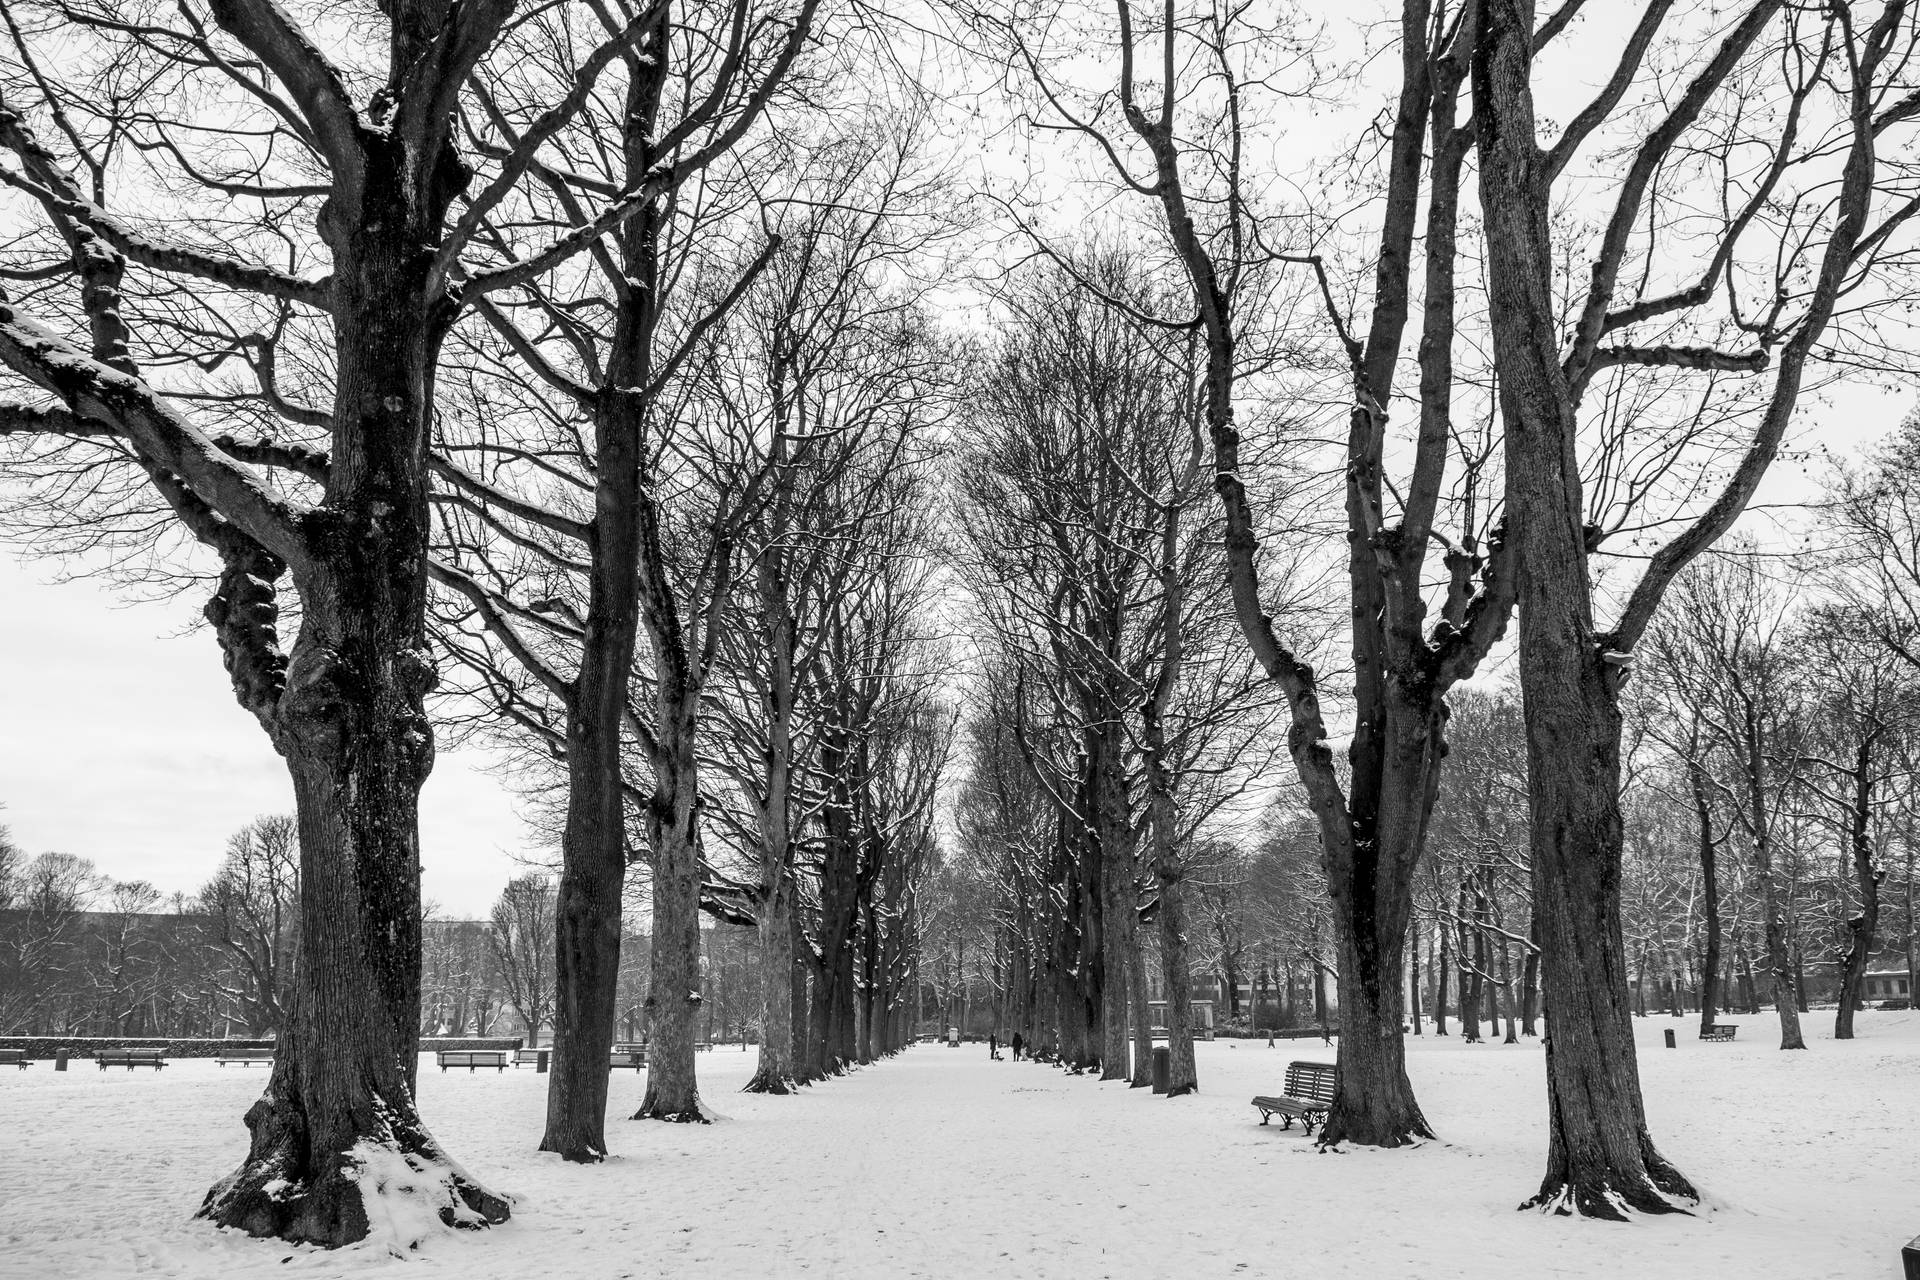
{"x":1018,"y":1046}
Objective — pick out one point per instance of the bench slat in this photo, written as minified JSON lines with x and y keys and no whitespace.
{"x":1308,"y":1093}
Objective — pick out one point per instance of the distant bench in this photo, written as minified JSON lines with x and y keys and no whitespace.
{"x":528,"y":1057}
{"x":15,"y":1058}
{"x":245,"y":1057}
{"x":1308,"y":1094}
{"x":1719,"y":1031}
{"x":130,"y":1058}
{"x":472,"y":1059}
{"x":628,"y":1055}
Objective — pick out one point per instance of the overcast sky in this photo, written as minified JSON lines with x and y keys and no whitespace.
{"x":120,"y":741}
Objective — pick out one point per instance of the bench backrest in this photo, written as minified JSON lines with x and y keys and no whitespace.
{"x":131,"y":1053}
{"x":1311,"y":1081}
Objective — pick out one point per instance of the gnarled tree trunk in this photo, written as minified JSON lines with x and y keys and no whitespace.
{"x":337,"y":1125}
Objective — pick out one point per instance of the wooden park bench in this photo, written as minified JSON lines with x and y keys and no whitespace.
{"x":1719,"y":1031}
{"x":130,"y":1058}
{"x":634,"y":1056}
{"x":473,"y":1059}
{"x":245,"y":1057}
{"x":1308,"y":1094}
{"x":15,"y":1058}
{"x":528,"y":1057}
{"x":701,"y":1046}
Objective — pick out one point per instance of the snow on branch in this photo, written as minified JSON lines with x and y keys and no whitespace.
{"x":99,"y":396}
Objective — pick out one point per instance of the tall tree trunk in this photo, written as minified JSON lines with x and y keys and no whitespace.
{"x":1530,"y":985}
{"x":1139,"y":1020}
{"x":1779,"y":959}
{"x":674,"y":996}
{"x":1182,"y":1076}
{"x":1600,"y":1157}
{"x":778,"y":972}
{"x":593,"y":845}
{"x":1506,"y":984}
{"x":1862,"y":927}
{"x":1413,"y":977}
{"x":1710,"y":891}
{"x":339,"y":1106}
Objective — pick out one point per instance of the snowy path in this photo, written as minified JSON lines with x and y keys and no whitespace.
{"x":943,"y":1164}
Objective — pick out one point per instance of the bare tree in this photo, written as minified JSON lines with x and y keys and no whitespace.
{"x":1862,"y":699}
{"x":354,"y":170}
{"x":599,"y":544}
{"x":1177,"y":125}
{"x":520,"y":935}
{"x":252,"y":903}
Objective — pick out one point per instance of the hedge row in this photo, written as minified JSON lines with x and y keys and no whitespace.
{"x":85,"y":1046}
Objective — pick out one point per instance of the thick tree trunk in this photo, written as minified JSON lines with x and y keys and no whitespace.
{"x":1375,"y":1103}
{"x":1710,"y":892}
{"x":1862,"y":927}
{"x":1139,"y":1020}
{"x":1183,"y":1076}
{"x":1779,"y":958}
{"x":1117,"y":899}
{"x":775,"y":1070}
{"x":673,"y":995}
{"x":1600,"y":1159}
{"x":586,"y":988}
{"x":594,"y":842}
{"x":337,"y":1129}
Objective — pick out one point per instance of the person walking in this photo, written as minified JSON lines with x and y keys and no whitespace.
{"x":1016,"y":1046}
{"x":993,"y":1045}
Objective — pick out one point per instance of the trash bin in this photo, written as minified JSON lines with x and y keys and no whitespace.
{"x":540,"y":1063}
{"x":1162,"y":1068}
{"x":1668,"y":1033}
{"x":59,"y":1059}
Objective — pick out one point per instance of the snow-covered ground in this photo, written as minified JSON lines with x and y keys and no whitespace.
{"x":940,"y":1163}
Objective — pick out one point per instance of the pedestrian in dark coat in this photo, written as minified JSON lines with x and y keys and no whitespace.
{"x":1017,"y":1044}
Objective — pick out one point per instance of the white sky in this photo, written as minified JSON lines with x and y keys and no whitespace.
{"x":120,"y":741}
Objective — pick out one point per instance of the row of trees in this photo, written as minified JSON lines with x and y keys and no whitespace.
{"x":1577,"y":439}
{"x":84,"y":955}
{"x":489,"y":345}
{"x":481,"y":345}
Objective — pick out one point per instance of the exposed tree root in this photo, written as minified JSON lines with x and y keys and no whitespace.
{"x":391,"y":1183}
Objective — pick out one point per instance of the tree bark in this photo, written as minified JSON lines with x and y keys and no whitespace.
{"x":1601,"y":1160}
{"x":674,"y":996}
{"x":594,"y":842}
{"x":1862,"y":927}
{"x":337,"y":1121}
{"x":1710,"y":891}
{"x":775,"y":1071}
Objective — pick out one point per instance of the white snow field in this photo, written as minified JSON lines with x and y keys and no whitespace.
{"x":940,"y":1163}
